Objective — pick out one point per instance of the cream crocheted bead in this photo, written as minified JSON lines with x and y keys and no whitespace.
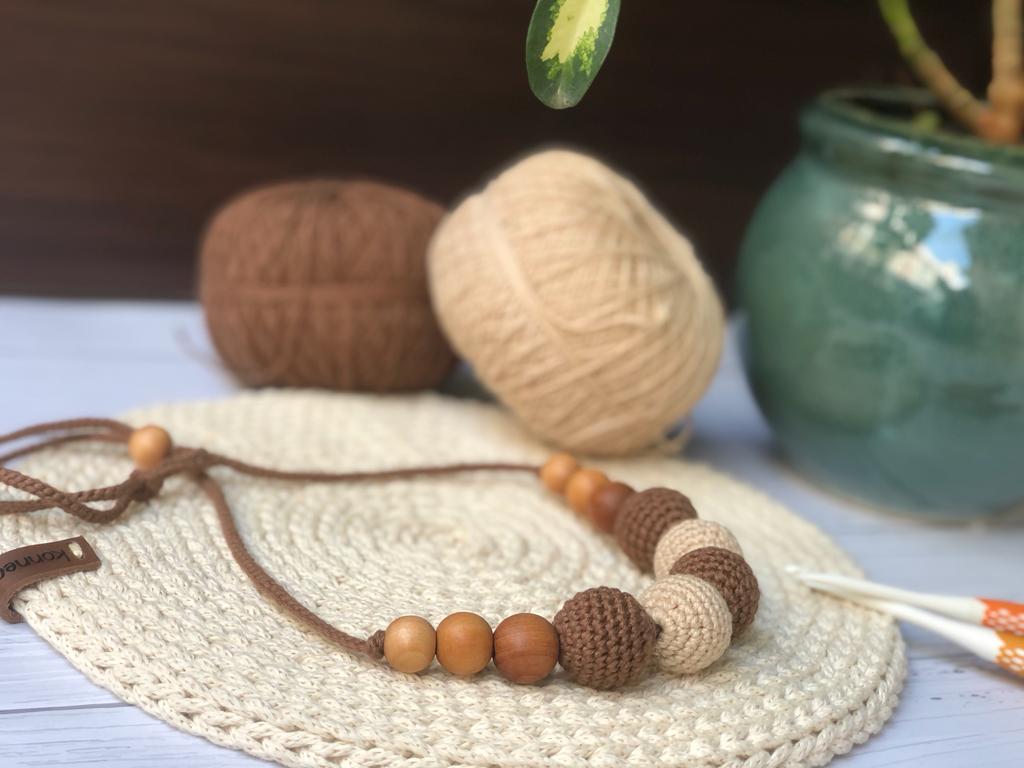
{"x":687,"y":536}
{"x":695,"y":623}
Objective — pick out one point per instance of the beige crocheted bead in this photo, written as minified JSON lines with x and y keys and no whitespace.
{"x":695,"y":623}
{"x":687,"y":536}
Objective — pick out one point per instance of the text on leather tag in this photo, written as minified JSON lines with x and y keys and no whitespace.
{"x":26,"y":566}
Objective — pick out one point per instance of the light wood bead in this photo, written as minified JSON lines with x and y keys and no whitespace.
{"x":148,"y":446}
{"x":605,"y":503}
{"x":465,"y":643}
{"x":556,"y":472}
{"x":582,"y":486}
{"x":409,"y":644}
{"x":525,"y":648}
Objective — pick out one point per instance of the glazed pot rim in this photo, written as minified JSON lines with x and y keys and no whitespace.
{"x":866,"y":119}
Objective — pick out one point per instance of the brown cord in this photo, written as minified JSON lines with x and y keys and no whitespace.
{"x":195,"y":463}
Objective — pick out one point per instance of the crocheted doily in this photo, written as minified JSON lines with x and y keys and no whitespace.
{"x":169,"y":623}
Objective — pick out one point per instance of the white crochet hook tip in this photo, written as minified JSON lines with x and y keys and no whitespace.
{"x":1000,"y":615}
{"x":1001,"y":648}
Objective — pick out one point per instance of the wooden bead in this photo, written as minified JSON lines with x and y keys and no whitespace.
{"x":556,"y":472}
{"x":409,"y":644}
{"x":604,"y":505}
{"x":148,"y":446}
{"x":525,"y":648}
{"x":464,"y":643}
{"x":582,"y":486}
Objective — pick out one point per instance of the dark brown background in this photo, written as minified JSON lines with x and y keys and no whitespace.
{"x":124,"y":122}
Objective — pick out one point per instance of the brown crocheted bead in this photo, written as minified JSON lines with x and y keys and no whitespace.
{"x":606,"y":639}
{"x":644,"y":517}
{"x":731,"y":575}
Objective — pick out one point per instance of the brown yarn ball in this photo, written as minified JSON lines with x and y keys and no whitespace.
{"x":324,"y":284}
{"x":731,"y":575}
{"x":606,"y":639}
{"x":644,"y":517}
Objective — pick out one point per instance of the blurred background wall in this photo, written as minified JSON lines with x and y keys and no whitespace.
{"x":123,"y":123}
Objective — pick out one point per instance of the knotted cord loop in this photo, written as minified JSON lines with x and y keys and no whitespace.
{"x":375,"y":645}
{"x":193,"y":463}
{"x":142,"y":486}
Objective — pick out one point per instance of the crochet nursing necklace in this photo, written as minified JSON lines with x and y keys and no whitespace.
{"x":703,"y":596}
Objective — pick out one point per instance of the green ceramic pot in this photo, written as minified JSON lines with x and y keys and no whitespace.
{"x":881,"y":294}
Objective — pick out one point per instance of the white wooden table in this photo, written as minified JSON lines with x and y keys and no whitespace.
{"x":63,"y":359}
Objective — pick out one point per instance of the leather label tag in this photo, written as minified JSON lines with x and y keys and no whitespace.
{"x":26,"y":566}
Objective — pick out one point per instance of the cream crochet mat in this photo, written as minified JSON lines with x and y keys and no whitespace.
{"x":170,"y":624}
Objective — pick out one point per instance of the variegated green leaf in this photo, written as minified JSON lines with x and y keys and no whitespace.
{"x":566,"y":46}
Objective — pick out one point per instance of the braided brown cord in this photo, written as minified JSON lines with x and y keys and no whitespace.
{"x":194,"y":463}
{"x":98,"y":426}
{"x":60,"y":440}
{"x":731,"y":575}
{"x":268,"y":586}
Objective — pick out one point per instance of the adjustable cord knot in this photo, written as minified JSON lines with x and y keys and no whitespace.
{"x":200,"y":459}
{"x":375,"y":645}
{"x":142,"y":486}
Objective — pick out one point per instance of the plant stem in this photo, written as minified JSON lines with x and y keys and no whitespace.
{"x":1006,"y":40}
{"x":1006,"y":91}
{"x":960,"y":102}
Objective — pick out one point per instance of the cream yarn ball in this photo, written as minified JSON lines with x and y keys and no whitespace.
{"x":695,"y":622}
{"x":577,"y":303}
{"x":687,"y":536}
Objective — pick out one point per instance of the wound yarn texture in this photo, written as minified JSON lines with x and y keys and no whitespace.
{"x":170,"y":623}
{"x":578,"y":304}
{"x":323,"y":284}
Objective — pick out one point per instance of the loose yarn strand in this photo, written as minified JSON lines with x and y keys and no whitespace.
{"x":143,"y":485}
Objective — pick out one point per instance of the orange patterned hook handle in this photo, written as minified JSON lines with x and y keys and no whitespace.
{"x":1003,"y":616}
{"x":1011,"y":655}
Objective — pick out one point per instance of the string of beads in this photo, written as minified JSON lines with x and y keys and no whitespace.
{"x":704,"y":595}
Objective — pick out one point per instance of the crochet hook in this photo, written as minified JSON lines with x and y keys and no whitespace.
{"x":1004,"y":649}
{"x":1000,"y":615}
